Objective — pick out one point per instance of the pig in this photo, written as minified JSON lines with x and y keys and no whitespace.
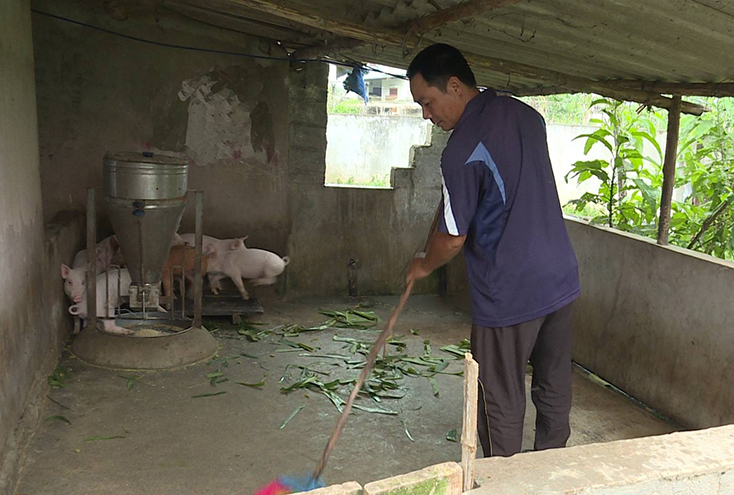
{"x":181,"y":255}
{"x":257,"y":265}
{"x":212,"y":244}
{"x":177,"y":240}
{"x":106,"y":250}
{"x":75,"y":277}
{"x":108,"y":297}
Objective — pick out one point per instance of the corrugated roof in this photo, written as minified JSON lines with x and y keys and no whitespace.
{"x":671,"y":41}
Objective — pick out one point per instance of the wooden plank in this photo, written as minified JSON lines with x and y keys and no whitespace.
{"x":671,"y":153}
{"x":317,"y":20}
{"x":414,"y":29}
{"x":462,"y":11}
{"x":237,"y":23}
{"x":469,"y":428}
{"x":685,"y":89}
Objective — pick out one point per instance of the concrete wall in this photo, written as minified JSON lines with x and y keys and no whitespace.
{"x":695,"y":463}
{"x":98,"y":92}
{"x":256,"y":132}
{"x":364,"y":148}
{"x":656,"y":322}
{"x":28,"y":345}
{"x":380,"y":229}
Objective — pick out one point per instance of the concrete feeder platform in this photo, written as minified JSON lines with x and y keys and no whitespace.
{"x":147,"y":348}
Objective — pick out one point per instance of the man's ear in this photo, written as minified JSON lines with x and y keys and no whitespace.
{"x":454,"y":86}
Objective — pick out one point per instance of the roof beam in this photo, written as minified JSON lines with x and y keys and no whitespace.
{"x":341,"y":27}
{"x":689,"y":89}
{"x":414,"y":29}
{"x":468,"y":8}
{"x":395,"y":37}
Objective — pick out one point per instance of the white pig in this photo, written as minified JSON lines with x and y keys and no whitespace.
{"x":105,"y":304}
{"x":106,"y":249}
{"x":212,"y":244}
{"x":258,"y":266}
{"x":75,"y":277}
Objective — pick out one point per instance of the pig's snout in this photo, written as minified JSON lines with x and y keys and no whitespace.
{"x":77,"y":299}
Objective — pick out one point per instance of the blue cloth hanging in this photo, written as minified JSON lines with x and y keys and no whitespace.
{"x":355,"y":83}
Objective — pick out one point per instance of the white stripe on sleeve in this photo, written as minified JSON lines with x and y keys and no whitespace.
{"x":448,"y":214}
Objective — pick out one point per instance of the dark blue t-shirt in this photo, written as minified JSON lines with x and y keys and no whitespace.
{"x":499,"y":191}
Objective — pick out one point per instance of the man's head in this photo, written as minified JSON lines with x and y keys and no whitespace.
{"x":442,"y":84}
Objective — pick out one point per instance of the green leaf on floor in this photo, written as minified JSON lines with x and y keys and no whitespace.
{"x":57,"y":402}
{"x":259,"y":384}
{"x":459,"y":349}
{"x":414,"y":331}
{"x":405,"y":427}
{"x":377,"y":410}
{"x":451,"y":435}
{"x":290,"y":416}
{"x":208,"y":395}
{"x":131,"y":380}
{"x":213,"y":377}
{"x":434,"y":385}
{"x":58,"y":377}
{"x":210,"y":326}
{"x":57,"y":417}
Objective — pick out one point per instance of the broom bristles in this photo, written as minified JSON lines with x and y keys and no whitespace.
{"x":291,"y":484}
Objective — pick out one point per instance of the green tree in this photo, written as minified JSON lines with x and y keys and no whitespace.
{"x":628,"y":193}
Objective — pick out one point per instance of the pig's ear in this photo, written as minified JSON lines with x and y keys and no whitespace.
{"x":114,"y":243}
{"x":243,"y":239}
{"x":65,"y":270}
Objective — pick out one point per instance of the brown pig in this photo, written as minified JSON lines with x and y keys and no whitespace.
{"x":180,"y":256}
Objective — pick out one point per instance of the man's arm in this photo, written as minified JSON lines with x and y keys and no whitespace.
{"x":441,"y":249}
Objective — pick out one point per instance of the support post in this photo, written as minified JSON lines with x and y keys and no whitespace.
{"x":469,"y":428}
{"x":92,"y":259}
{"x":199,"y":239}
{"x":671,"y":153}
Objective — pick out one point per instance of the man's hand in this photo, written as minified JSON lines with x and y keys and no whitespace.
{"x":418,"y":269}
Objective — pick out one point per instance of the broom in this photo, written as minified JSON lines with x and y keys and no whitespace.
{"x":285,"y":485}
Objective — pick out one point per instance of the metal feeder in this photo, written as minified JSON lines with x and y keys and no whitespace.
{"x":145,"y":196}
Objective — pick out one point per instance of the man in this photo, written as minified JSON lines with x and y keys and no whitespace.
{"x":500,"y":203}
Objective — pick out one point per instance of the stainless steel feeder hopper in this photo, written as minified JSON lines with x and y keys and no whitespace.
{"x":145,"y":197}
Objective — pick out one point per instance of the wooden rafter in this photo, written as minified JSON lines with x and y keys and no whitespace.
{"x":414,"y":29}
{"x":689,"y":89}
{"x":395,"y":37}
{"x":464,"y":10}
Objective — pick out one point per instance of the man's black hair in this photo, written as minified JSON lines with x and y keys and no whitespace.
{"x":438,"y":63}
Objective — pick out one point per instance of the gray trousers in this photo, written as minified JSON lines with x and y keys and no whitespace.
{"x":503,"y":354}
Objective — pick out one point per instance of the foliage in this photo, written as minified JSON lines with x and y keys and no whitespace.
{"x":628,"y":192}
{"x":704,"y":220}
{"x":630,"y":181}
{"x":572,"y":109}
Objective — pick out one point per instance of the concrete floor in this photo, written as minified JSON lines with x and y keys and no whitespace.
{"x":232,"y":444}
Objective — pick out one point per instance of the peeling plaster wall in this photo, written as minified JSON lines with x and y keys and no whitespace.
{"x":98,"y":92}
{"x":254,"y":130}
{"x":381,"y":229}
